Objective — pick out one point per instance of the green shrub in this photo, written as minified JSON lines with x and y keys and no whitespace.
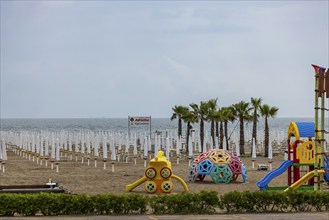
{"x":204,"y":202}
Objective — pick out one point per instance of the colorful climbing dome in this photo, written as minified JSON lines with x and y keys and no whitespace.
{"x":222,"y":166}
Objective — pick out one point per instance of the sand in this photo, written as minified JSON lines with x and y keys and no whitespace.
{"x":78,"y":177}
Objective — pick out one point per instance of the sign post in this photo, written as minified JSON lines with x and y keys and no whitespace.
{"x":137,"y":121}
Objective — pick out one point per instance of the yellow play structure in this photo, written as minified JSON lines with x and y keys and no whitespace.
{"x":157,"y":177}
{"x":301,"y":142}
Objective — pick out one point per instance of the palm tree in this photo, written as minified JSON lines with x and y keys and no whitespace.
{"x":256,"y":103}
{"x":212,"y":104}
{"x":178,"y":112}
{"x":189,"y":117}
{"x":267,"y":112}
{"x":241,"y":112}
{"x":201,"y":112}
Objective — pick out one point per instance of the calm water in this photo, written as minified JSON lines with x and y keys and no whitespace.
{"x":121,"y":124}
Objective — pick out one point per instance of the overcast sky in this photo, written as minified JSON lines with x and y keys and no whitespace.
{"x":78,"y":59}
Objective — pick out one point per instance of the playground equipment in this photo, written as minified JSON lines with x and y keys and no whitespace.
{"x":157,"y":176}
{"x":309,"y":162}
{"x":222,"y":165}
{"x":300,"y":163}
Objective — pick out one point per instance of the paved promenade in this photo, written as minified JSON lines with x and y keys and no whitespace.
{"x":277,"y":216}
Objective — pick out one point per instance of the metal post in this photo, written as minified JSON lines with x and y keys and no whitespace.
{"x":315,"y":134}
{"x":322,"y":141}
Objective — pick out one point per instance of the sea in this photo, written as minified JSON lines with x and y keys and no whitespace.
{"x":278,"y":126}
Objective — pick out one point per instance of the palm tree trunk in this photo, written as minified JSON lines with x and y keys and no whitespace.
{"x":221,"y":135}
{"x":179,"y":127}
{"x":188,"y":134}
{"x":217,"y":131}
{"x":241,"y":136}
{"x":212,"y":131}
{"x":254,"y":128}
{"x":266,"y":137}
{"x":201,"y":133}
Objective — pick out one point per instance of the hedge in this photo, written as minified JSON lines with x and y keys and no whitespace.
{"x":204,"y":202}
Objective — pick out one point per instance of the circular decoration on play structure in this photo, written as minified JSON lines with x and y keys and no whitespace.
{"x":202,"y":156}
{"x":219,"y":157}
{"x":150,"y":186}
{"x":193,"y":172}
{"x":165,"y":172}
{"x":166,"y":186}
{"x":205,"y":167}
{"x":235,"y":165}
{"x":223,"y":167}
{"x":150,"y":173}
{"x":221,"y":174}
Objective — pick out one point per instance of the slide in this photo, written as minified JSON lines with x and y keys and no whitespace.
{"x":130,"y":187}
{"x":302,"y":180}
{"x":262,"y":184}
{"x":181,"y":181}
{"x":326,"y":167}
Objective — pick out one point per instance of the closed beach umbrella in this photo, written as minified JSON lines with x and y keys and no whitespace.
{"x":224,"y":144}
{"x":145,"y":146}
{"x":82,"y":144}
{"x":47,"y":147}
{"x":53,"y":149}
{"x":237,"y":150}
{"x":96,"y":144}
{"x":42,"y":153}
{"x":167,"y":147}
{"x":57,"y":155}
{"x":3,"y":155}
{"x":270,"y":154}
{"x":127,"y":145}
{"x":253,"y":156}
{"x":88,"y":145}
{"x":96,"y":154}
{"x":156,"y":146}
{"x":104,"y":149}
{"x":149,"y":143}
{"x":178,"y":145}
{"x":190,"y":148}
{"x":4,"y":151}
{"x":135,"y":145}
{"x":113,"y":152}
{"x":216,"y":143}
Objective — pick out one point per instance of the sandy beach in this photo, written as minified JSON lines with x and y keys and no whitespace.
{"x":78,"y":177}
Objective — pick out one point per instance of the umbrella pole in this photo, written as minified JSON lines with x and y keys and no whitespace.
{"x":104,"y":164}
{"x":112,"y":166}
